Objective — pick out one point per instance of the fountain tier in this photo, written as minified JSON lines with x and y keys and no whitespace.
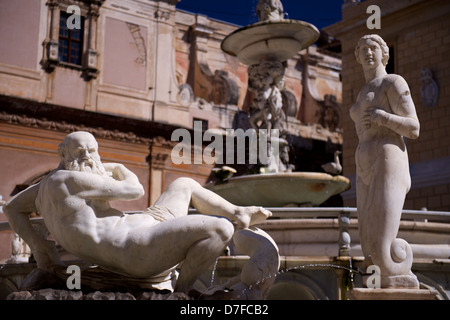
{"x":279,"y":40}
{"x":282,"y":189}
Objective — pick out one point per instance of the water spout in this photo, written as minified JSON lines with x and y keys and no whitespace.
{"x":213,"y":272}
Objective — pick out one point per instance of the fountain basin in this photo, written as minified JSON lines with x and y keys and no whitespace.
{"x":280,"y":40}
{"x":281,"y":189}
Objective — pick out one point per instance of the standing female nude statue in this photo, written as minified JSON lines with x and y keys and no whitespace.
{"x":384,"y":113}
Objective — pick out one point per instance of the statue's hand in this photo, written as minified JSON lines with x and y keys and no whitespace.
{"x":46,"y":254}
{"x":117,"y":170}
{"x":374,"y":116}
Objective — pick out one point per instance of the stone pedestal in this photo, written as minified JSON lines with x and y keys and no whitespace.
{"x":392,"y":294}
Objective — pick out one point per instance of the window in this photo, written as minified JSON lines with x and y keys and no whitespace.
{"x":70,"y":41}
{"x":66,"y":46}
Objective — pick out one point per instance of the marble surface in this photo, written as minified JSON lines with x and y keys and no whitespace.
{"x":384,"y":114}
{"x":282,"y":189}
{"x":280,"y":40}
{"x":74,"y":201}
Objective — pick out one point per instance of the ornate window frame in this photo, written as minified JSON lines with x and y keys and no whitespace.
{"x":90,"y":10}
{"x":71,"y":39}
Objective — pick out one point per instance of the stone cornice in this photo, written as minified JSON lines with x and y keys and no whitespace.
{"x":68,"y":127}
{"x":52,"y":117}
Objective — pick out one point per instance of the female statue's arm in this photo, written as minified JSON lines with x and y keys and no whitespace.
{"x":403,"y":120}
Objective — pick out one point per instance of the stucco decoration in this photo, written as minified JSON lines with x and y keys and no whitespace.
{"x":139,"y":42}
{"x":266,"y":80}
{"x":429,"y":90}
{"x":217,"y":87}
{"x":185,"y":95}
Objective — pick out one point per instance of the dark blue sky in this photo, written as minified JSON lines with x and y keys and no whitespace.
{"x":320,"y":13}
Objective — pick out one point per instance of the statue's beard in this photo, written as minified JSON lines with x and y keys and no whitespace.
{"x":92,"y":165}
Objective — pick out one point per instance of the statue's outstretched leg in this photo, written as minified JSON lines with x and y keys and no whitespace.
{"x":185,"y":191}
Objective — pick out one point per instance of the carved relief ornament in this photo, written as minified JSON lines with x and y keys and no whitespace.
{"x":429,"y":90}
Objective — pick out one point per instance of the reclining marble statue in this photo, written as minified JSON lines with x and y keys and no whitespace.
{"x":384,"y":113}
{"x":74,"y":200}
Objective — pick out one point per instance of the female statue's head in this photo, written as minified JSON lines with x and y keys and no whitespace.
{"x":372,"y":50}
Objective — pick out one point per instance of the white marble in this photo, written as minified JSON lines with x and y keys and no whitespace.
{"x":258,"y":273}
{"x":269,"y":10}
{"x":265,"y":47}
{"x":384,"y":113}
{"x":74,"y":201}
{"x":335,"y":166}
{"x":20,"y":251}
{"x":282,"y":189}
{"x":266,"y":79}
{"x":392,"y":294}
{"x":280,"y":40}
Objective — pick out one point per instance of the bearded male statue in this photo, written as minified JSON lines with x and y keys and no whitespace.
{"x":73,"y":200}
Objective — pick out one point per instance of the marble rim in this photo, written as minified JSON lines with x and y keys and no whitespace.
{"x":316,"y":176}
{"x":299,"y":188}
{"x":303,"y":32}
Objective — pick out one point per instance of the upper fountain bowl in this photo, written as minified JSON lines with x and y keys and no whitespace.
{"x":280,"y":40}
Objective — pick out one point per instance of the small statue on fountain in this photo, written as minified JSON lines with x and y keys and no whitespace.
{"x":266,"y":80}
{"x":271,"y":10}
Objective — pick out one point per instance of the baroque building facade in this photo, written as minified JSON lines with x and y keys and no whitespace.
{"x":133,"y":71}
